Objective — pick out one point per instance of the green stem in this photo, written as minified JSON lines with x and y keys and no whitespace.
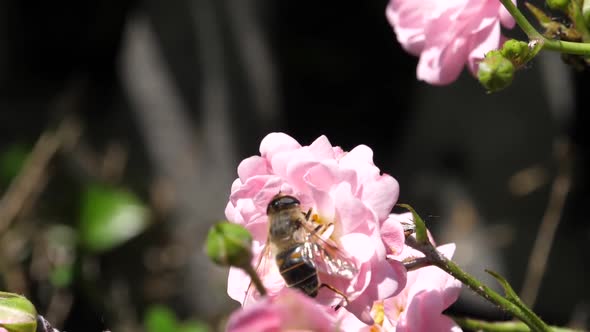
{"x":567,"y":47}
{"x":512,"y":326}
{"x":522,"y":22}
{"x":533,"y":34}
{"x":436,"y":258}
{"x":255,"y":279}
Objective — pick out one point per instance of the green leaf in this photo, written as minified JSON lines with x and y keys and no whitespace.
{"x":12,"y":161}
{"x":17,"y":314}
{"x":540,"y":15}
{"x":532,"y":319}
{"x":421,"y":233}
{"x":160,"y":319}
{"x":509,"y":292}
{"x":110,"y":217}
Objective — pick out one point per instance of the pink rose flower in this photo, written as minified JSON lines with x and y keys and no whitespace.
{"x":343,"y":188}
{"x":448,"y":34}
{"x":419,"y":306}
{"x":289,"y":310}
{"x":428,"y":293}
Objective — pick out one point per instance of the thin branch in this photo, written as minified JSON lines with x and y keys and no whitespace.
{"x":546,"y":234}
{"x":416,"y":263}
{"x":30,"y":178}
{"x":436,"y":258}
{"x":534,"y":35}
{"x":510,"y":326}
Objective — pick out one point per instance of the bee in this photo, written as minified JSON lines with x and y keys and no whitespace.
{"x":300,"y":252}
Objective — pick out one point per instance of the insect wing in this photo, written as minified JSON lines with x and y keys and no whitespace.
{"x":263,"y":266}
{"x":329,"y":259}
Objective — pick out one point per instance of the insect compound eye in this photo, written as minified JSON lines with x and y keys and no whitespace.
{"x":287,"y":201}
{"x":283,"y":202}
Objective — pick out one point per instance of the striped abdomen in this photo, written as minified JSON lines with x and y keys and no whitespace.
{"x":298,"y":271}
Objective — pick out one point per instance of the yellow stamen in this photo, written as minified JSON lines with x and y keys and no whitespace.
{"x":378,"y":312}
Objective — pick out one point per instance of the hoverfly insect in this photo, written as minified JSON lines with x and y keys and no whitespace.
{"x":294,"y":238}
{"x":409,"y":228}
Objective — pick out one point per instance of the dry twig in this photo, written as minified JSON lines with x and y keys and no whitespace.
{"x":544,"y":240}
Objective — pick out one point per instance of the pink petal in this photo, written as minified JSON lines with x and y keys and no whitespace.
{"x":438,"y":67}
{"x":351,"y":211}
{"x":381,"y":195}
{"x":385,"y":281}
{"x":232,"y":214}
{"x":288,"y":310}
{"x":389,"y":279}
{"x":348,"y":322}
{"x":505,"y":18}
{"x":237,"y":284}
{"x":300,"y":313}
{"x":250,"y":188}
{"x":360,"y":159}
{"x":444,"y":54}
{"x":265,"y":194}
{"x":260,"y":317}
{"x":361,"y":309}
{"x":425,"y":314}
{"x":326,"y":174}
{"x":324,"y":204}
{"x":483,"y":42}
{"x":338,"y":152}
{"x":277,"y":142}
{"x":409,"y":20}
{"x":252,"y":166}
{"x":296,"y":171}
{"x":282,"y":161}
{"x":322,"y":176}
{"x":237,"y":184}
{"x":359,"y":246}
{"x":447,"y":34}
{"x":392,"y":232}
{"x":321,"y":148}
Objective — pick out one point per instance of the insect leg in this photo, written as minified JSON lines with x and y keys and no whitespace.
{"x":308,"y":214}
{"x":337,"y":291}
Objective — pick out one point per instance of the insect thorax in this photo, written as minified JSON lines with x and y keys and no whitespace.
{"x":285,"y":229}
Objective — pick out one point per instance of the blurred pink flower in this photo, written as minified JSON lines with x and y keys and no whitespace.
{"x":448,"y":34}
{"x":289,"y":310}
{"x":344,"y":188}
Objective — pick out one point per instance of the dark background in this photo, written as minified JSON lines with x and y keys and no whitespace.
{"x":184,"y":90}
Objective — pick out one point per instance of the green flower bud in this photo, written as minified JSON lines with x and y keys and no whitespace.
{"x":17,"y":314}
{"x":495,"y":71}
{"x":229,"y":244}
{"x":558,"y":4}
{"x":516,"y":51}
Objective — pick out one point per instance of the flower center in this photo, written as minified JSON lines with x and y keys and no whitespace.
{"x":326,"y":229}
{"x":378,"y":312}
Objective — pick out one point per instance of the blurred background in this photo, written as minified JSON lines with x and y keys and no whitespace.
{"x":122,"y":124}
